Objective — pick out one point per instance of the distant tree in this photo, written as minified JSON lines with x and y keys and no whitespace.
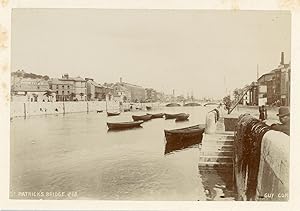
{"x":237,"y":93}
{"x":45,"y":77}
{"x":227,"y":102}
{"x":48,"y":94}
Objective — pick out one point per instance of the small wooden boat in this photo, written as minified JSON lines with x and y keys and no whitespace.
{"x":182,"y":117}
{"x":154,"y":116}
{"x":124,"y":125}
{"x":99,"y":111}
{"x":173,"y":105}
{"x":148,"y":108}
{"x":172,"y":145}
{"x":193,"y":132}
{"x":142,"y":117}
{"x":171,"y":116}
{"x":113,"y":113}
{"x":126,"y":109}
{"x":192,"y":104}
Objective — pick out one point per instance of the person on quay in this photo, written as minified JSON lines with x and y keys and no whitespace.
{"x":284,"y":118}
{"x":263,"y":113}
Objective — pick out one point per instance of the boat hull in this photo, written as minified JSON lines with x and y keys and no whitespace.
{"x":184,"y":134}
{"x":174,"y":144}
{"x":113,"y":114}
{"x":171,"y":116}
{"x":154,"y":116}
{"x":173,"y":105}
{"x":124,"y":125}
{"x":146,"y":117}
{"x":183,"y":117}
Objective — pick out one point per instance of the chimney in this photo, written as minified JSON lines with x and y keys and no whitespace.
{"x":282,"y":58}
{"x":121,"y":80}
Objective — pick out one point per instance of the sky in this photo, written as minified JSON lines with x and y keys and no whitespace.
{"x":191,"y":51}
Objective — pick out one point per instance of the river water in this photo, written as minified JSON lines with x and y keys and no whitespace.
{"x":77,"y":155}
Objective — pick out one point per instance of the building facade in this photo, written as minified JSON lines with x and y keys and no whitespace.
{"x":274,"y":87}
{"x":69,"y":88}
{"x":129,"y":92}
{"x":64,"y":90}
{"x":104,"y":93}
{"x":31,"y":90}
{"x":121,"y":93}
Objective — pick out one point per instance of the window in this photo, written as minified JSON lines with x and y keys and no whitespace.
{"x":63,"y":86}
{"x":68,"y":87}
{"x":68,"y":92}
{"x":63,"y":92}
{"x":57,"y":92}
{"x":56,"y":86}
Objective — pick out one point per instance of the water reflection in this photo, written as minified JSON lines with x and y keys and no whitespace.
{"x":218,"y":183}
{"x":176,"y":144}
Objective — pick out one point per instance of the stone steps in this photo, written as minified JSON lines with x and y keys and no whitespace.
{"x":216,"y":158}
{"x":217,"y":153}
{"x":215,"y":165}
{"x":217,"y":148}
{"x":216,"y":171}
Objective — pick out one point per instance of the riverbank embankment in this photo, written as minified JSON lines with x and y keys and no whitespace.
{"x":26,"y":109}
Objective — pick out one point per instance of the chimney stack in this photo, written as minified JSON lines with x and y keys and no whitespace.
{"x":121,"y":81}
{"x":282,"y":58}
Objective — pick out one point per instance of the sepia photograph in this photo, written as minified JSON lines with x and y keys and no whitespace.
{"x":150,"y":104}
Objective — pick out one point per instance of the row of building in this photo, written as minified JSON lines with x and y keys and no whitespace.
{"x":272,"y":88}
{"x":69,"y":88}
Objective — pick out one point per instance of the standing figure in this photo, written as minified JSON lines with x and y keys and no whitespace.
{"x":262,"y":113}
{"x":284,"y":118}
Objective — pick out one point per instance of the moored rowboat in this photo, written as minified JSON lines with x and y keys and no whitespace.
{"x":193,"y":132}
{"x":113,"y":113}
{"x":173,"y":105}
{"x":154,"y":116}
{"x":142,"y":117}
{"x":172,"y":116}
{"x":182,"y":117}
{"x":123,"y":125}
{"x":192,"y":104}
{"x":177,"y":144}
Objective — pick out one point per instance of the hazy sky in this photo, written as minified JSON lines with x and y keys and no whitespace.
{"x":185,"y":50}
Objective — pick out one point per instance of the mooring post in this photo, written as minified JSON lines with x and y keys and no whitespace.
{"x":64,"y":108}
{"x":210,"y":123}
{"x":24,"y":110}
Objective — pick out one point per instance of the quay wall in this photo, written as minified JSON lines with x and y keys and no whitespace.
{"x":25,"y":109}
{"x":273,"y":175}
{"x":273,"y":171}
